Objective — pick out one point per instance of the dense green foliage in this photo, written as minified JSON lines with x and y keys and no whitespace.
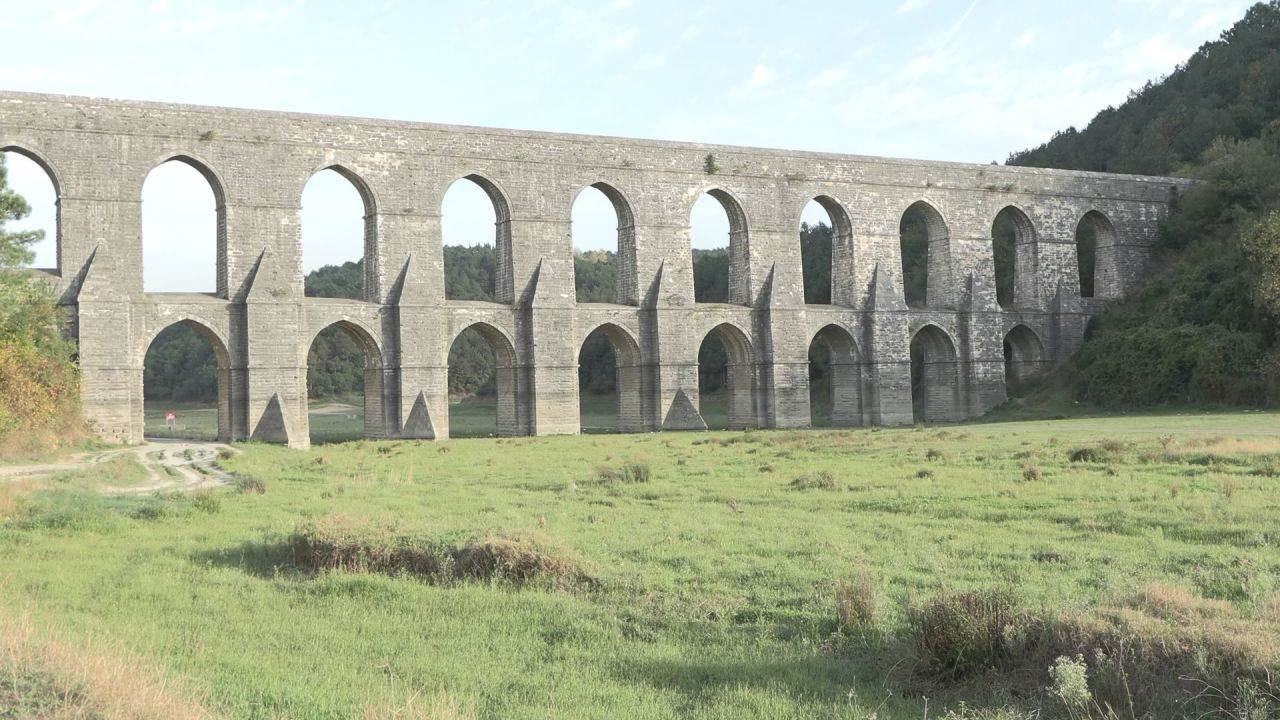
{"x":1200,"y":329}
{"x":180,"y":367}
{"x":38,"y":383}
{"x":913,"y":238}
{"x":595,"y":276}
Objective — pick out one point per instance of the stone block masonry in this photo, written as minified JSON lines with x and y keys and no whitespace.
{"x":98,"y":152}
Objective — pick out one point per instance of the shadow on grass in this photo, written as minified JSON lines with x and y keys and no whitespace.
{"x":849,"y":680}
{"x":267,"y":560}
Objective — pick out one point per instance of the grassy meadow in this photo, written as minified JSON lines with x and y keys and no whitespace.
{"x":707,"y":585}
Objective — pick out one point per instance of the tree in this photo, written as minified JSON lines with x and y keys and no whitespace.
{"x":38,"y":406}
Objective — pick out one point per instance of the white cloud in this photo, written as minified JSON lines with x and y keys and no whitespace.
{"x":761,"y":76}
{"x":1028,"y":37}
{"x":910,"y":6}
{"x":830,"y":76}
{"x":623,"y":40}
{"x":1157,"y":53}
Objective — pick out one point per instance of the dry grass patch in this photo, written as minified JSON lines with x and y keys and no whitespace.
{"x":1157,"y":653}
{"x":856,"y":600}
{"x":341,"y":542}
{"x":51,"y":680}
{"x":518,"y":557}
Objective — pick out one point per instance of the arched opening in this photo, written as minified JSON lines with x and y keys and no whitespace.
{"x":726,"y":379}
{"x":826,"y":252}
{"x":31,"y":180}
{"x":604,"y":246}
{"x":926,"y":257}
{"x":339,"y":230}
{"x":718,"y":241}
{"x":183,"y":229}
{"x":1013,"y":246}
{"x":935,"y":376}
{"x":1096,"y":249}
{"x":835,"y":379}
{"x":1023,"y":356}
{"x":186,"y":384}
{"x":344,"y":385}
{"x":475,"y":223}
{"x":482,"y":388}
{"x":609,"y":382}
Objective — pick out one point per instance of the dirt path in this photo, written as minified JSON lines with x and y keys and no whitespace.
{"x":170,"y":465}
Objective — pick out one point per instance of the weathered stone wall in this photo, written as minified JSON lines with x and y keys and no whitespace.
{"x":98,"y":153}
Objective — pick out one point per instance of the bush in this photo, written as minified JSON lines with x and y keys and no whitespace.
{"x":1163,"y":652}
{"x":519,"y":558}
{"x":1089,"y":455}
{"x":250,"y":485}
{"x":821,"y":480}
{"x":959,"y":634}
{"x":207,"y":501}
{"x":341,"y":542}
{"x":633,"y":472}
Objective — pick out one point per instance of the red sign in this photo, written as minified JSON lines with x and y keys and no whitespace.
{"x":171,"y":416}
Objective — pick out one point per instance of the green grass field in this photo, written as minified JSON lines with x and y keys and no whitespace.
{"x":714,"y":593}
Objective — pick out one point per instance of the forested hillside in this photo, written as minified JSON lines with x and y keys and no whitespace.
{"x":1203,"y":328}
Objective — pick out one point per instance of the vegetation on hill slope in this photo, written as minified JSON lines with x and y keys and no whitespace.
{"x":1203,"y":328}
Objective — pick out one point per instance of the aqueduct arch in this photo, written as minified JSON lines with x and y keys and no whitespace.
{"x":101,"y":148}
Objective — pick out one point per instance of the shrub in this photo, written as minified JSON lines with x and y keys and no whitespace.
{"x":924,"y":473}
{"x":821,"y":480}
{"x":207,"y":501}
{"x":959,"y":634}
{"x":341,"y":542}
{"x":635,"y":472}
{"x":1088,"y":454}
{"x":632,"y":472}
{"x":250,"y":485}
{"x":1030,"y":473}
{"x":1071,"y":682}
{"x":519,"y":558}
{"x":856,"y":600}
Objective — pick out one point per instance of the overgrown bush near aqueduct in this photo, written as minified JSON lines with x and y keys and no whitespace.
{"x":39,"y":395}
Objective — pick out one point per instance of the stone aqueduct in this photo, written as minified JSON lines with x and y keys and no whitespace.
{"x":98,"y":152}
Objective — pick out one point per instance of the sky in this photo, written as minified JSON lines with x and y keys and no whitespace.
{"x":963,"y":80}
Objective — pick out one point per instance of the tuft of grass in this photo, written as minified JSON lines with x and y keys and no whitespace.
{"x":1030,"y":473}
{"x":629,"y":473}
{"x":821,"y":480}
{"x":856,"y":600}
{"x":250,"y":485}
{"x":207,"y":501}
